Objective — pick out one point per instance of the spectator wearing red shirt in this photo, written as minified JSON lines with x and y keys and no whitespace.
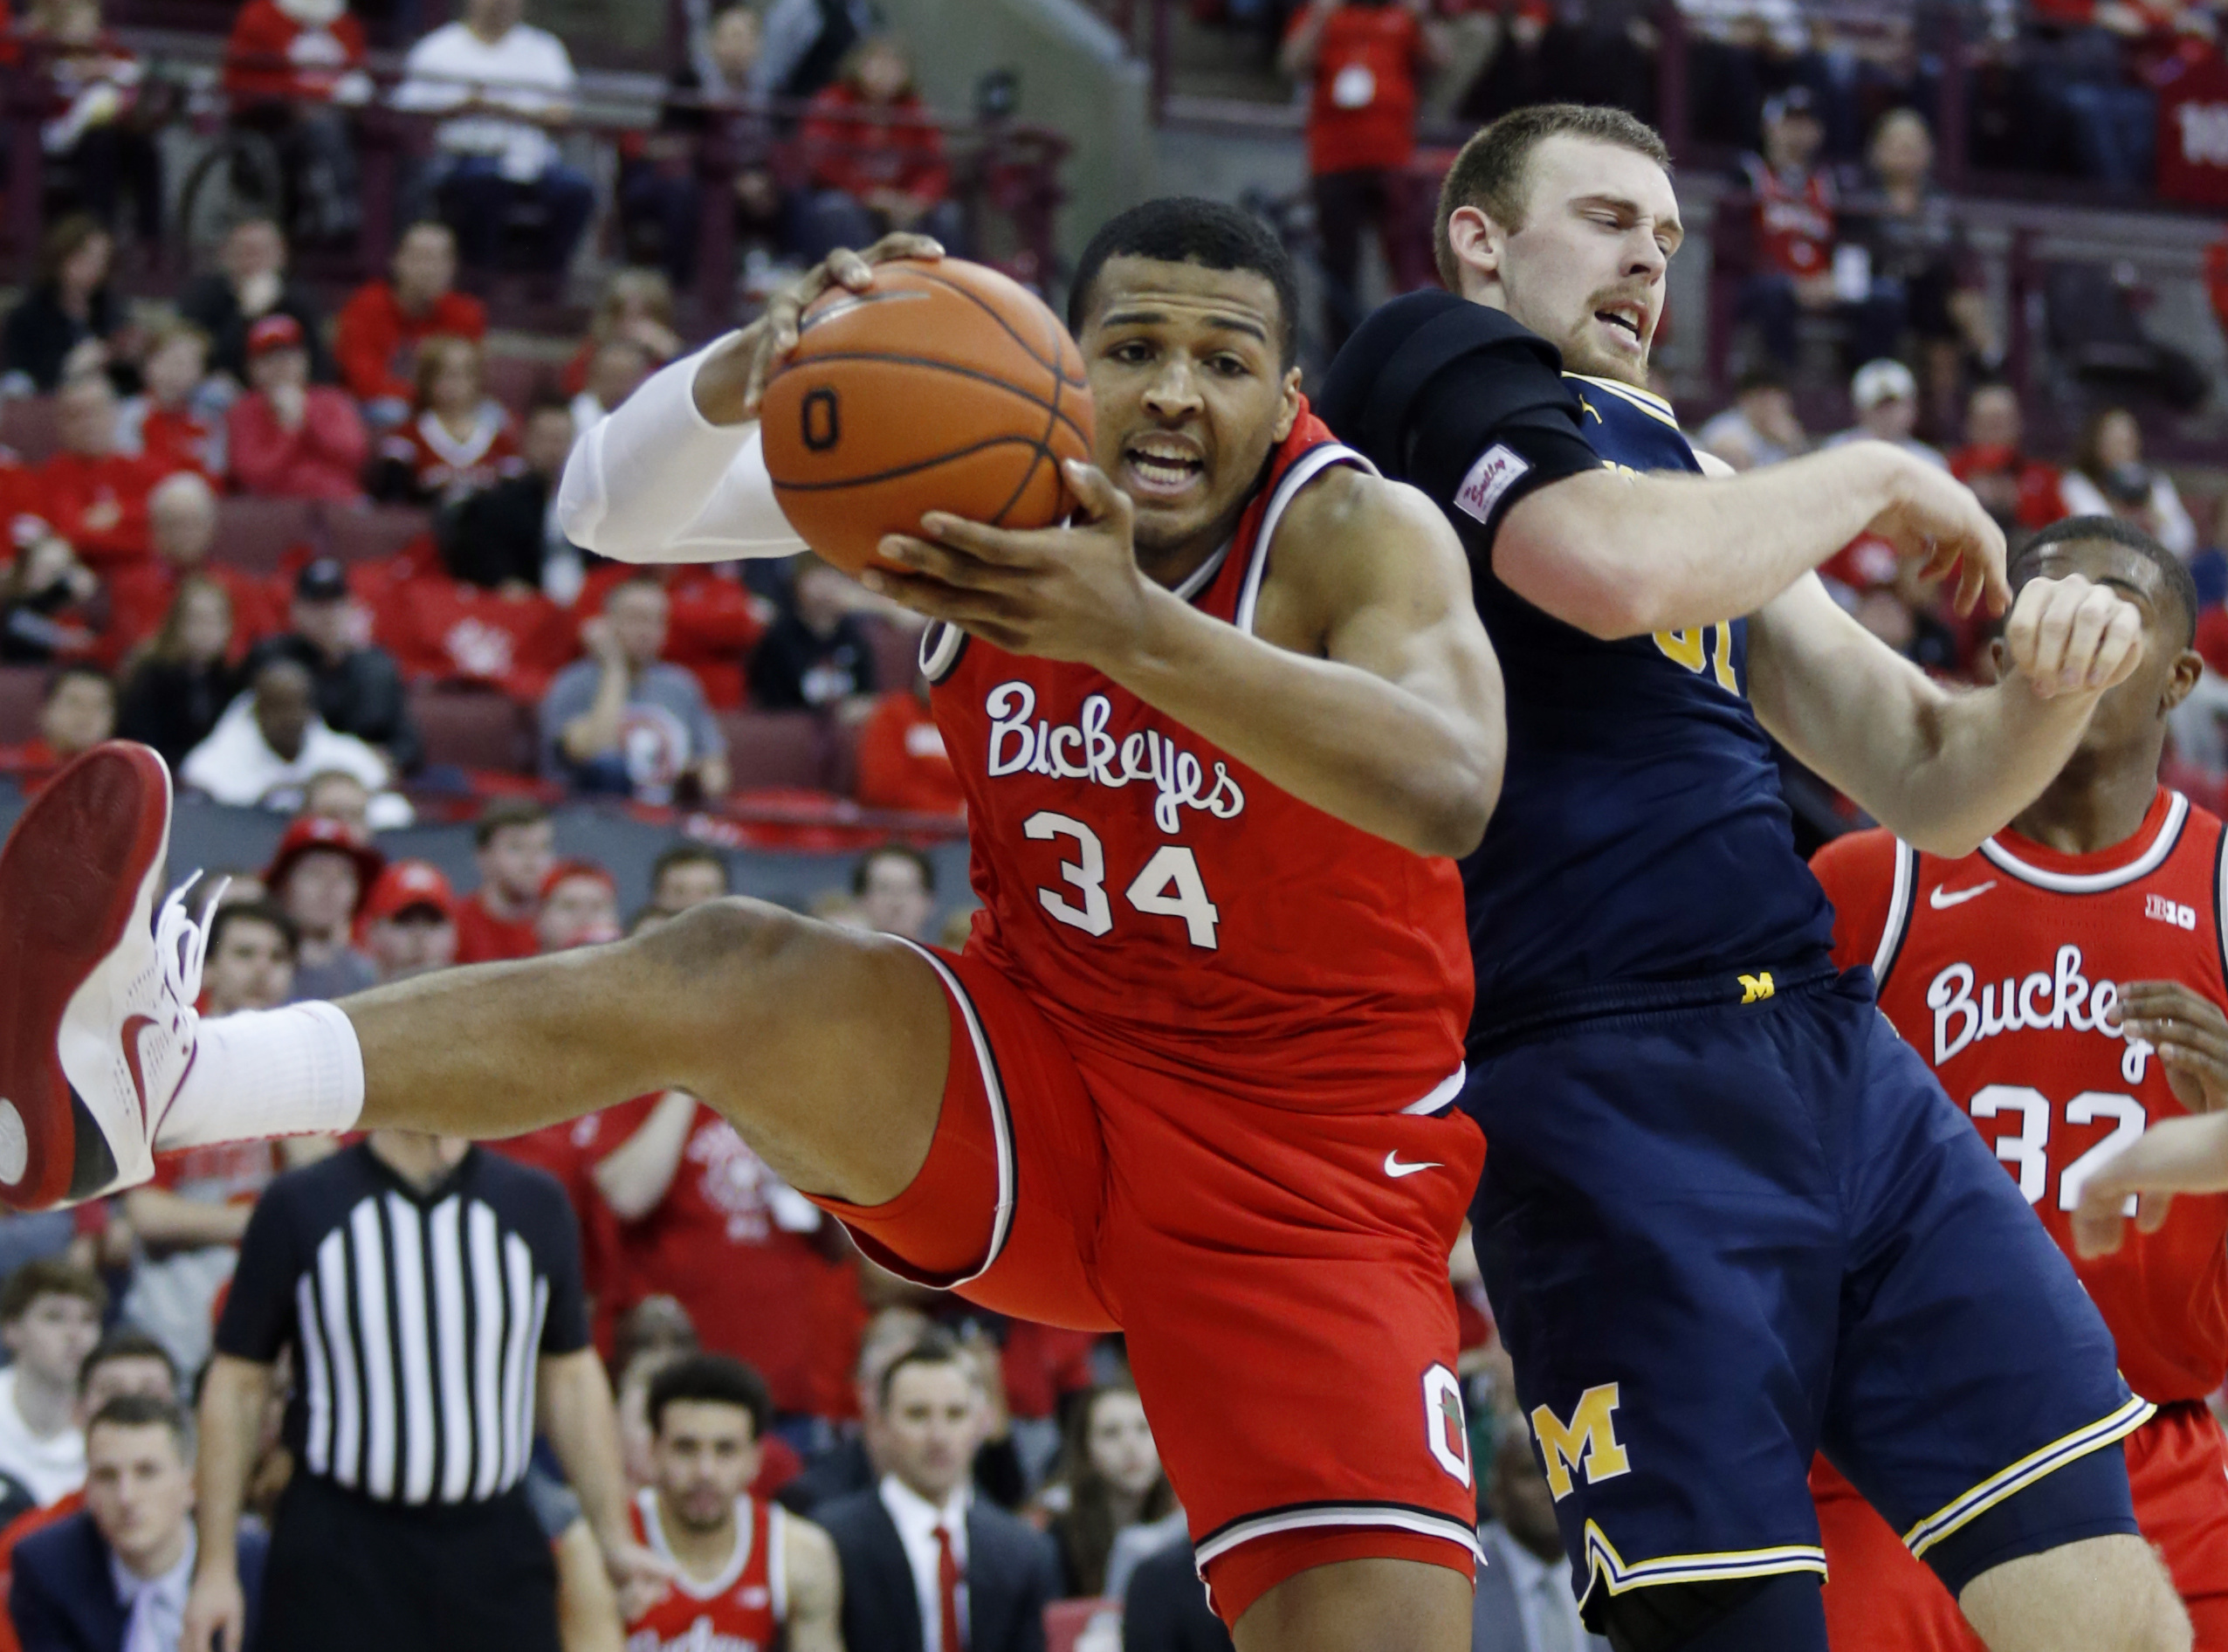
{"x":77,"y":712}
{"x":457,"y":440}
{"x":181,"y":525}
{"x":290,"y":438}
{"x":376,"y":338}
{"x":516,"y":846}
{"x":177,"y":419}
{"x":2018,"y":491}
{"x":95,"y":495}
{"x":287,"y":65}
{"x":702,"y":1219}
{"x":902,"y":760}
{"x":1363,"y":59}
{"x":876,"y":158}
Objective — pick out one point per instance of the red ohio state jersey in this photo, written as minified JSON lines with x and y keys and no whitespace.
{"x":2002,"y":969}
{"x":742,"y":1610}
{"x":1161,"y":902}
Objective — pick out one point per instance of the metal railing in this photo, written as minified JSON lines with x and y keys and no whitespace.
{"x":1001,"y":170}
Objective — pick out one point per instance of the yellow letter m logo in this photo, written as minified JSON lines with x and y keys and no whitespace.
{"x":1755,"y":986}
{"x":1590,"y":1438}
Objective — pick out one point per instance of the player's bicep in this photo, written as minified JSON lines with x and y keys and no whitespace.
{"x":1847,"y":706}
{"x":1397,"y":592}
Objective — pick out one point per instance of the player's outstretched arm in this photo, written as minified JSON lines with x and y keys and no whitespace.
{"x":1939,"y":768}
{"x":675,"y":473}
{"x":815,"y":1589}
{"x":2176,"y":1155}
{"x":1618,"y":554}
{"x":1391,"y":720}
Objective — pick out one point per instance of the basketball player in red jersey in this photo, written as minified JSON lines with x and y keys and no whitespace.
{"x":1191,"y":1076}
{"x":749,"y":1576}
{"x":2009,"y":970}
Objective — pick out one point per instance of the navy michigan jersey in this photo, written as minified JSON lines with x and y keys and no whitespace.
{"x":1641,"y":834}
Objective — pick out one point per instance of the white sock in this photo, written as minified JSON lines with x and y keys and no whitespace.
{"x":296,"y":1071}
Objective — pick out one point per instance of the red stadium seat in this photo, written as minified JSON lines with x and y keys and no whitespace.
{"x":255,"y":534}
{"x":374,"y":532}
{"x":22,"y":687}
{"x":27,"y":425}
{"x":776,"y":749}
{"x":473,"y":728}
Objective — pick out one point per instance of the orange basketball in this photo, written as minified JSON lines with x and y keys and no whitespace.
{"x":946,"y":388}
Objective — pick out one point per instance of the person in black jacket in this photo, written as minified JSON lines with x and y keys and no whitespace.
{"x":358,"y":688}
{"x":815,"y":654}
{"x":179,"y":688}
{"x":1166,"y":1611}
{"x":250,"y":284}
{"x":69,"y":307}
{"x":506,"y":536}
{"x":928,"y":1567}
{"x":115,"y":1576}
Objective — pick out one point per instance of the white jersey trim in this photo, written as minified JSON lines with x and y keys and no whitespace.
{"x":1304,"y":469}
{"x":777,"y":1559}
{"x":1001,"y":1122}
{"x":2169,"y":833}
{"x":1396,"y":1517}
{"x":729,"y":1576}
{"x":941,"y":644}
{"x":1899,"y":913}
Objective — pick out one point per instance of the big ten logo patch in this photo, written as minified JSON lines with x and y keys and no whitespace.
{"x":1589,"y":1438}
{"x":2169,"y":912}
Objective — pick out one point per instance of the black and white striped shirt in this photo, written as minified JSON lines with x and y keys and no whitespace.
{"x":416,"y":1318}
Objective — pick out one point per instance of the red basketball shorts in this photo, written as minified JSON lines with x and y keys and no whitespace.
{"x":1281,"y":1278}
{"x":1878,"y":1598}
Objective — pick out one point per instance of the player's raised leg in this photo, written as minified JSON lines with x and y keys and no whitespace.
{"x":829,"y":1048}
{"x":1359,"y":1606}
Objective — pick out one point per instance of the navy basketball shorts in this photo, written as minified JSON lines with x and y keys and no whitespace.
{"x":1720,"y":1236}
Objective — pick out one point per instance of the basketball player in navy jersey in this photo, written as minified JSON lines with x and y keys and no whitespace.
{"x":1727,"y":1218}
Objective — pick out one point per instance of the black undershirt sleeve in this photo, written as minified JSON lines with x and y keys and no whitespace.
{"x":1459,"y":401}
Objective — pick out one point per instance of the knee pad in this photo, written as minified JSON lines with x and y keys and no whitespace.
{"x":1782,"y":1612}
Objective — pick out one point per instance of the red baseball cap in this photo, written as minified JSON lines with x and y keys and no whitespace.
{"x":408,"y":884}
{"x":313,"y":832}
{"x":566,"y":870}
{"x":275,"y":332}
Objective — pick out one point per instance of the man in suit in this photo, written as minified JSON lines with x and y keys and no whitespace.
{"x":1164,"y":1609}
{"x":1524,"y":1600}
{"x":114,"y":1578}
{"x":928,"y":1567}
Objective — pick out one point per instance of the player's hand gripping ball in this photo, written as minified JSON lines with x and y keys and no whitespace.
{"x":943,"y":387}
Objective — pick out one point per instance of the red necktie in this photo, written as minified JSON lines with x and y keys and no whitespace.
{"x":948,"y":1591}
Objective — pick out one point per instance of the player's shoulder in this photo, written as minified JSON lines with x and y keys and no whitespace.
{"x":1348,"y":531}
{"x":1856,"y":856}
{"x":1413,"y":339}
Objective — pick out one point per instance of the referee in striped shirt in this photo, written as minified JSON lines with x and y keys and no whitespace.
{"x":430,"y":1292}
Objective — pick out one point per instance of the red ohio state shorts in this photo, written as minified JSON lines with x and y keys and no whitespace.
{"x":1281,"y":1278}
{"x":1878,"y":1598}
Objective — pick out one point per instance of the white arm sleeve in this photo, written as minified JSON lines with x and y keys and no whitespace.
{"x":656,"y":481}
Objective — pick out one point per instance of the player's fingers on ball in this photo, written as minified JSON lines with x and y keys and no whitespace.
{"x":905,"y":244}
{"x":1093,"y":489}
{"x":996,"y":545}
{"x":847,"y":268}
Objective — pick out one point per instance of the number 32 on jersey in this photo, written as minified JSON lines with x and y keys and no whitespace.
{"x":1168,"y":885}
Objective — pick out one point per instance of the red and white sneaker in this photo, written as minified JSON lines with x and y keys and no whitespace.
{"x":97,"y":1018}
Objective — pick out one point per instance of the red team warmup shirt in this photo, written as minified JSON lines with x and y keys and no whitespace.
{"x":1794,"y":219}
{"x":2001,"y":969}
{"x":742,"y":1610}
{"x":729,"y":1243}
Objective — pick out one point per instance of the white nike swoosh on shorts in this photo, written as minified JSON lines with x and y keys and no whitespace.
{"x":1395,"y":1169}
